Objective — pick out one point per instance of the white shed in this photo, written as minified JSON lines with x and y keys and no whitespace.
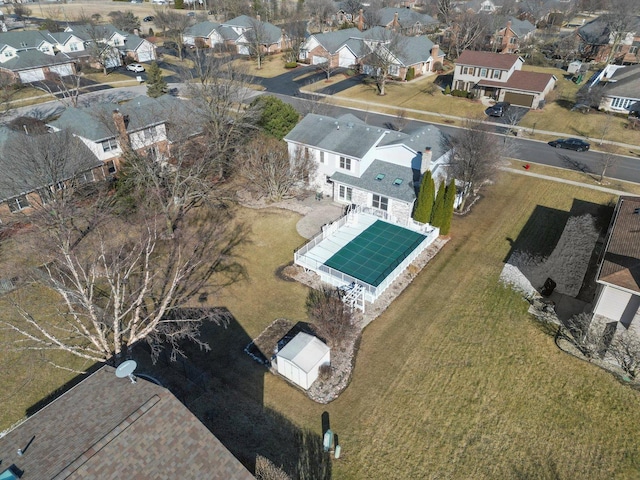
{"x":301,"y":358}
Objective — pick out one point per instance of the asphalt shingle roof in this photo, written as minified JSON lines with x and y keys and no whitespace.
{"x":521,"y":27}
{"x":26,"y":39}
{"x":415,"y":50}
{"x":33,"y":59}
{"x":386,"y":187}
{"x":626,"y":84}
{"x":621,"y":263}
{"x":343,"y":136}
{"x":597,"y":31}
{"x":487,"y":59}
{"x":202,"y":29}
{"x":109,"y":428}
{"x":525,"y":81}
{"x":406,"y":17}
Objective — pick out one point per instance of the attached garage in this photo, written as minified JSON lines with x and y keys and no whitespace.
{"x":520,"y":99}
{"x":301,"y":358}
{"x":146,"y":54}
{"x":346,"y":58}
{"x":62,"y":70}
{"x":31,"y":75}
{"x":317,"y":59}
{"x":614,"y":303}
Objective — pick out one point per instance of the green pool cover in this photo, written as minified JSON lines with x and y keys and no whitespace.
{"x":376,"y":252}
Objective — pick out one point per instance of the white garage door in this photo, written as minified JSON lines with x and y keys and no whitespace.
{"x":62,"y":70}
{"x":346,"y":60}
{"x":243,"y":50}
{"x":145,"y":56}
{"x":317,"y":60}
{"x":33,"y":75}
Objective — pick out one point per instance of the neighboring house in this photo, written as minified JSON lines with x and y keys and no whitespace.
{"x":25,"y":186}
{"x":510,"y":38}
{"x":621,"y":88}
{"x":32,"y":56}
{"x":351,"y":48}
{"x":130,"y":46}
{"x":500,"y":76}
{"x":366,"y":165}
{"x":406,"y":21}
{"x":599,"y":43}
{"x":479,"y":6}
{"x":240,"y":33}
{"x":110,"y":428}
{"x":618,"y":279}
{"x":109,"y":129}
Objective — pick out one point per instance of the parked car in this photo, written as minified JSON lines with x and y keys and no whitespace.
{"x":498,"y":110}
{"x":570,"y":144}
{"x":135,"y":67}
{"x":191,"y":14}
{"x":148,"y":19}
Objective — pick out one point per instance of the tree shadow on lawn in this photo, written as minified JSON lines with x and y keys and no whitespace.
{"x":224,"y":388}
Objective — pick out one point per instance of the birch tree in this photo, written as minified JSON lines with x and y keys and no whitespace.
{"x":117,"y":289}
{"x":384,"y":57}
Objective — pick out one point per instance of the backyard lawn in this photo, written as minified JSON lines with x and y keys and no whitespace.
{"x":454,"y":380}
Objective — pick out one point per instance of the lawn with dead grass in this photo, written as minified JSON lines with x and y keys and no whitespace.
{"x":454,"y":380}
{"x":272,"y":66}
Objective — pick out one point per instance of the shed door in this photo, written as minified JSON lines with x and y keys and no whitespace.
{"x":519,"y":99}
{"x":33,"y":75}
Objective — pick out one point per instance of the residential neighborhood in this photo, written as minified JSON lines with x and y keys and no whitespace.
{"x":319,"y":239}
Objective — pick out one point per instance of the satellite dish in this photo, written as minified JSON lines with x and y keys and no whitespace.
{"x":126,"y":369}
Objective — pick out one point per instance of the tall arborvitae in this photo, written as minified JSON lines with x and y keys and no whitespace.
{"x":437,"y":216}
{"x":449,"y":201}
{"x":424,"y":203}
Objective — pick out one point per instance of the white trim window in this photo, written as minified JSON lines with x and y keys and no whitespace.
{"x":345,"y":163}
{"x":484,"y":72}
{"x":380,"y":202}
{"x":321,"y":156}
{"x":345,"y":193}
{"x":109,"y":145}
{"x":618,"y":103}
{"x":73,"y":47}
{"x":497,"y":74}
{"x":394,"y":70}
{"x":18,"y":203}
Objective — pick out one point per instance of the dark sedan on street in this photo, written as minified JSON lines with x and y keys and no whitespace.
{"x":570,"y":144}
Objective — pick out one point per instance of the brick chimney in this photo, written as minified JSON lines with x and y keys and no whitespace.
{"x":435,"y":51}
{"x":426,"y":160}
{"x":361,"y":20}
{"x":395,"y":22}
{"x":121,"y":122}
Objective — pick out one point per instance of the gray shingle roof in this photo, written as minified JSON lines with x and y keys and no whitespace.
{"x":386,"y":187}
{"x":415,"y":50}
{"x":626,"y":83}
{"x":109,"y":428}
{"x":26,"y":39}
{"x":597,"y":31}
{"x":406,"y":17}
{"x":332,"y":41}
{"x":521,"y":27}
{"x":33,"y":59}
{"x":202,"y":29}
{"x":418,"y":139}
{"x":96,"y":123}
{"x":348,"y":138}
{"x":25,"y":175}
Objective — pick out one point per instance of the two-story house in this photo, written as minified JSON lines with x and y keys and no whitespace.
{"x":128,"y":45}
{"x":365,"y":165}
{"x":404,"y":21}
{"x":500,"y":76}
{"x":620,"y":88}
{"x":239,"y":33}
{"x":600,"y":43}
{"x":512,"y":36}
{"x":32,"y":56}
{"x":350,"y":48}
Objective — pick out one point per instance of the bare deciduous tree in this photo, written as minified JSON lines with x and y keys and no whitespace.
{"x":475,"y":154}
{"x":270,"y":172}
{"x":100,"y":51}
{"x":385,"y":54}
{"x":579,"y":331}
{"x":625,"y":350}
{"x":320,"y":11}
{"x":606,"y":159}
{"x":258,"y":40}
{"x":219,"y":92}
{"x":174,"y":24}
{"x":327,"y":65}
{"x":296,"y":31}
{"x":332,"y":318}
{"x":620,"y":21}
{"x":117,"y":290}
{"x":469,"y":31}
{"x":22,"y":12}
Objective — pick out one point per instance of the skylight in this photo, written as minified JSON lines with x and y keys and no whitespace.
{"x":397,"y":181}
{"x":380,"y":176}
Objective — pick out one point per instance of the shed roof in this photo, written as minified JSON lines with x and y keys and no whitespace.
{"x":305,"y":351}
{"x":109,"y":428}
{"x":621,"y":262}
